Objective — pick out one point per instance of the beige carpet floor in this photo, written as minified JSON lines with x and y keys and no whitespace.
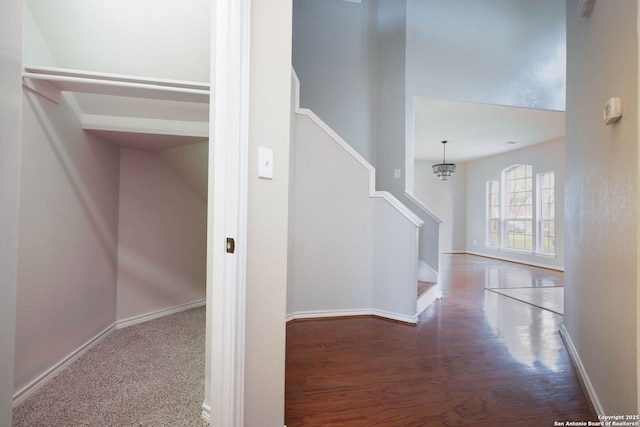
{"x":550,"y":298}
{"x":150,"y":374}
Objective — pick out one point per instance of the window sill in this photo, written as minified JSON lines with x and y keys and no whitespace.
{"x":518,"y":251}
{"x":522,"y":252}
{"x":546,"y":255}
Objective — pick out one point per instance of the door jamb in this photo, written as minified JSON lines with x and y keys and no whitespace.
{"x":227,"y":213}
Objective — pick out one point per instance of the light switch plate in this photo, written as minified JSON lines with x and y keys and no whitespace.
{"x":612,"y":110}
{"x":265,"y":163}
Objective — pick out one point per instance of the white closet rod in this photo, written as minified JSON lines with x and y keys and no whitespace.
{"x":111,"y":84}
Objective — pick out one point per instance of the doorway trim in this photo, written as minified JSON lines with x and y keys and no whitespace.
{"x":227,"y":213}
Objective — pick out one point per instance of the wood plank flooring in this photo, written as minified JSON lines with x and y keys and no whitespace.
{"x":476,"y":358}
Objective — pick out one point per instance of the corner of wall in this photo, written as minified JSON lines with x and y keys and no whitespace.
{"x":10,"y":134}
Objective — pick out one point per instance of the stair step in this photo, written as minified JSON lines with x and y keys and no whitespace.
{"x":423,"y":287}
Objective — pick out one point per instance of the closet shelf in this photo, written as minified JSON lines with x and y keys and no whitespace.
{"x":50,"y":81}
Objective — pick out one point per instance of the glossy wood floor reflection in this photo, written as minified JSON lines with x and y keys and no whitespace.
{"x":476,"y":358}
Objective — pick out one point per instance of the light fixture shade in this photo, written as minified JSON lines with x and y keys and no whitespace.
{"x":444,"y":170}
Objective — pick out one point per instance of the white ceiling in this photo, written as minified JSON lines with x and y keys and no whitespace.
{"x":477,"y":130}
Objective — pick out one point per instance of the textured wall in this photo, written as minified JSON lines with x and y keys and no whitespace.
{"x":601,"y":276}
{"x":395,"y":262}
{"x":333,"y":239}
{"x":392,"y":28}
{"x":446,"y":199}
{"x":268,"y":200}
{"x":10,"y":135}
{"x":68,"y":237}
{"x":161,"y":237}
{"x":137,"y":38}
{"x":334,"y":48}
{"x":491,"y":51}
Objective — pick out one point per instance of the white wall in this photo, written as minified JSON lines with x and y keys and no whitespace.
{"x":601,"y":274}
{"x":68,"y":237}
{"x":352,"y":74}
{"x":353,"y":251}
{"x":10,"y":135}
{"x":68,"y":229}
{"x":334,"y":54}
{"x":491,"y":52}
{"x":139,"y":38}
{"x":190,"y":163}
{"x":494,"y":51}
{"x":267,"y":204}
{"x":333,"y":235}
{"x":395,"y":262}
{"x":390,"y":94}
{"x":544,"y":157}
{"x":350,"y":58}
{"x":391,"y":111}
{"x":447,"y":199}
{"x":161,"y":236}
{"x":36,"y":49}
{"x":290,"y":308}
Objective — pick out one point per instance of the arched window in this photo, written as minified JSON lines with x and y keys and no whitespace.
{"x":511,"y":215}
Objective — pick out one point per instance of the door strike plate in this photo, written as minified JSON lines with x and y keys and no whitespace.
{"x":231,"y":245}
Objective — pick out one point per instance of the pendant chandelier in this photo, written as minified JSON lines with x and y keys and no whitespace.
{"x":444,"y":169}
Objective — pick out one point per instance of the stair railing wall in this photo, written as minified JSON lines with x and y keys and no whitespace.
{"x":353,"y":250}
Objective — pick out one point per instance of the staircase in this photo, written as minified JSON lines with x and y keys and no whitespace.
{"x":352,"y":250}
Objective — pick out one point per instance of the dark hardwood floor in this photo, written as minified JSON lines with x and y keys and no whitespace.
{"x":476,"y":358}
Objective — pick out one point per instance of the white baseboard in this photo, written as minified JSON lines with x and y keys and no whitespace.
{"x":206,"y":413}
{"x":318,"y":314}
{"x":582,"y":372}
{"x":428,"y":298}
{"x":394,"y":316}
{"x":41,"y":380}
{"x":159,"y":313}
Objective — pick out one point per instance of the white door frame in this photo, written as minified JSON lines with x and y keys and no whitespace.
{"x":227,"y":213}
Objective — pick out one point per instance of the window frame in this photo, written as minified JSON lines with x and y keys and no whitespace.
{"x":541,"y":218}
{"x":522,"y":226}
{"x":490,"y":217}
